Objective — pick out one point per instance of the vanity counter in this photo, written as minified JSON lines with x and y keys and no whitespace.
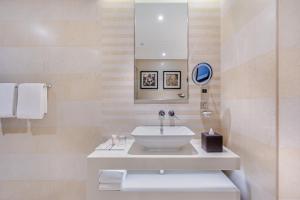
{"x":193,"y":158}
{"x":198,"y":159}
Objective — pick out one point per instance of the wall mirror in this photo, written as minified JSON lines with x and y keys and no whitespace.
{"x":161,"y":51}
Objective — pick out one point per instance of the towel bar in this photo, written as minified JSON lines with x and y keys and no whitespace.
{"x":46,"y":85}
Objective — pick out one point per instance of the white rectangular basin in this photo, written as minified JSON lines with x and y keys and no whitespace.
{"x":172,"y":137}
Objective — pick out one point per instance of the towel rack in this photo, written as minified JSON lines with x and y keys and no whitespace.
{"x":47,"y":85}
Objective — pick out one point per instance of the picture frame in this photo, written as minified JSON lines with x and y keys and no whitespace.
{"x":172,"y":79}
{"x":148,"y":79}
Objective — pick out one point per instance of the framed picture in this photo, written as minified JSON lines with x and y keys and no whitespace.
{"x":172,"y":79}
{"x":149,"y":79}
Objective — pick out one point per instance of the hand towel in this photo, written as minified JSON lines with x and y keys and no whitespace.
{"x":7,"y":100}
{"x":111,"y":176}
{"x":32,"y":101}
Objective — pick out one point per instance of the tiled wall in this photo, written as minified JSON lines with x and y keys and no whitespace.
{"x":289,"y":99}
{"x":248,"y":93}
{"x":84,"y":48}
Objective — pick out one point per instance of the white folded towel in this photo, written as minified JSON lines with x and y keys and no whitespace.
{"x":32,"y":101}
{"x":111,"y":176}
{"x":7,"y":100}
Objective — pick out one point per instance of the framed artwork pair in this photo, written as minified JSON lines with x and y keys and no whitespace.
{"x":171,"y":80}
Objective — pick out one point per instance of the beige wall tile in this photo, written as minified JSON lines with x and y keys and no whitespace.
{"x":256,"y":38}
{"x":50,"y":33}
{"x":233,"y":20}
{"x":289,"y":126}
{"x":289,"y":101}
{"x":244,"y":116}
{"x":33,"y":10}
{"x":289,"y":173}
{"x":289,"y":62}
{"x":256,"y":79}
{"x":24,"y":167}
{"x":14,"y":126}
{"x":66,"y":141}
{"x":248,"y":93}
{"x":289,"y":34}
{"x":47,"y":190}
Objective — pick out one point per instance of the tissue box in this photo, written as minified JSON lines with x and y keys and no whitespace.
{"x":212,"y":143}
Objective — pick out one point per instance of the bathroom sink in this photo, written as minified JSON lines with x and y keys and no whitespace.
{"x":161,"y":138}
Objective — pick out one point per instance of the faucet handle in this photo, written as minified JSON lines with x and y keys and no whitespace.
{"x":171,"y":113}
{"x":161,"y":114}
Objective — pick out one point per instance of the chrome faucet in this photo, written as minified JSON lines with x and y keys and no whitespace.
{"x":161,"y":115}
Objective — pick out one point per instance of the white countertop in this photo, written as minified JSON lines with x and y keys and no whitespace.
{"x":122,"y":159}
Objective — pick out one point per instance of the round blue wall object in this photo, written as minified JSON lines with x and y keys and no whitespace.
{"x":202,"y":73}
